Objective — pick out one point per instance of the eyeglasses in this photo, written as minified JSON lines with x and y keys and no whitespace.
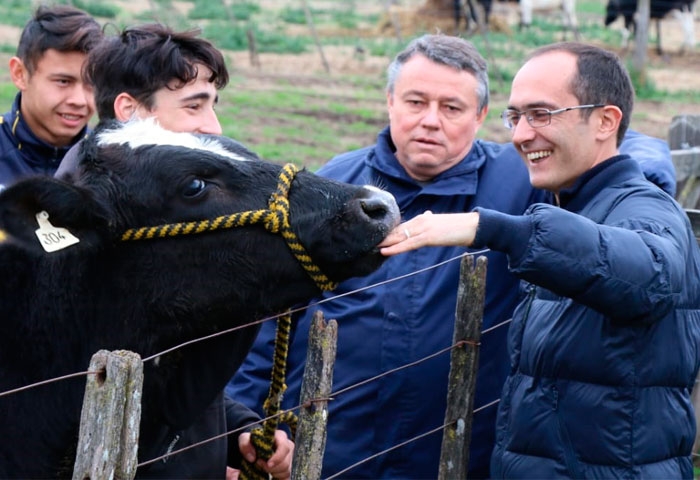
{"x":537,"y":117}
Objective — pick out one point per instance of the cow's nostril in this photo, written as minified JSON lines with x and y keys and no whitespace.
{"x":380,"y":206}
{"x":375,"y":208}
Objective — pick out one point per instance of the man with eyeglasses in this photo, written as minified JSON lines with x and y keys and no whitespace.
{"x":537,"y":117}
{"x":604,"y":345}
{"x":429,"y":159}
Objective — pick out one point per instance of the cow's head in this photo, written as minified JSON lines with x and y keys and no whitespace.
{"x":138,"y":175}
{"x":73,"y":285}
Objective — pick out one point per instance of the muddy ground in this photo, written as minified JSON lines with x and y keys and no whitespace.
{"x":671,"y":72}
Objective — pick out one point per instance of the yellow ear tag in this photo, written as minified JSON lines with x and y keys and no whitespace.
{"x":53,"y":238}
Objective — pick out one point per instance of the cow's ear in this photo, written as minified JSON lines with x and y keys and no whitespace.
{"x":49,"y":215}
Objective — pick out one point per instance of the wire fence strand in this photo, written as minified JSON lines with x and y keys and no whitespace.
{"x":253,"y":323}
{"x":332,"y":395}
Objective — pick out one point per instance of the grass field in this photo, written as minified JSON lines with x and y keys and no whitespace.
{"x":289,"y":107}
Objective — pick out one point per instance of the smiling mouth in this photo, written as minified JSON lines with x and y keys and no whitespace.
{"x":70,"y":117}
{"x":534,"y":156}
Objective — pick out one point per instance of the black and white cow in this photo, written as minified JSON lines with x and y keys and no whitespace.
{"x":682,"y":10}
{"x":567,"y":8}
{"x":527,"y":9}
{"x":61,"y":300}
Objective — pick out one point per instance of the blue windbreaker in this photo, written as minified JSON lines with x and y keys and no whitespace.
{"x":391,"y":325}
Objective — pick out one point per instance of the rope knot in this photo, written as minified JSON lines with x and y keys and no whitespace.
{"x":279,"y":202}
{"x":274,"y":221}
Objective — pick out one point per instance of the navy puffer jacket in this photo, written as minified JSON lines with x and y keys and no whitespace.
{"x":605,"y":347}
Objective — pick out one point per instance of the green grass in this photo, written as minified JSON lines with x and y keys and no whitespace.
{"x":8,"y":91}
{"x":280,"y":122}
{"x":295,"y":16}
{"x":282,"y":119}
{"x":98,"y":9}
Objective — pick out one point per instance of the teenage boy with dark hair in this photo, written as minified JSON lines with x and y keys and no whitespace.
{"x":151,"y":71}
{"x":53,"y":106}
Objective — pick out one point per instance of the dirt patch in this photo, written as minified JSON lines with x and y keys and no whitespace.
{"x":307,"y":71}
{"x":671,"y":73}
{"x":341,"y":60}
{"x":9,"y":34}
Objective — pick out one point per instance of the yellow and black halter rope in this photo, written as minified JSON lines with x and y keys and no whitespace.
{"x":275,"y":220}
{"x":263,"y":437}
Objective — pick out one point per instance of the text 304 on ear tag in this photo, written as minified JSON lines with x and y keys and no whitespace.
{"x":53,"y":238}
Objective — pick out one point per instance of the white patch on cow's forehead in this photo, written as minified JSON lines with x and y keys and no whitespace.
{"x":138,"y":133}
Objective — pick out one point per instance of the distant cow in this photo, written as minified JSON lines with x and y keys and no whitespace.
{"x":61,"y":301}
{"x":566,"y":7}
{"x":527,"y":9}
{"x":467,"y":9}
{"x":680,"y":9}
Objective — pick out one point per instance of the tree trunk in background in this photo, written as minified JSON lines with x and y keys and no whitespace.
{"x":641,"y":40}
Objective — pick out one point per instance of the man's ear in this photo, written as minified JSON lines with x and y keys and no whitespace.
{"x":45,"y":216}
{"x":125,"y":106}
{"x":19,"y":73}
{"x":610,"y":118}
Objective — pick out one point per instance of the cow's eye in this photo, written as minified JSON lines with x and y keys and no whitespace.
{"x":195,"y":187}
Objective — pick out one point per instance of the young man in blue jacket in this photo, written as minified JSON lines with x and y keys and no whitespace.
{"x":604,"y":346}
{"x":429,"y":159}
{"x":53,"y":106}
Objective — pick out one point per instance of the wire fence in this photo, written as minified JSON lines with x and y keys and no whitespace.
{"x":334,"y":394}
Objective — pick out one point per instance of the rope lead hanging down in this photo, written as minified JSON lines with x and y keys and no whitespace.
{"x":263,"y":437}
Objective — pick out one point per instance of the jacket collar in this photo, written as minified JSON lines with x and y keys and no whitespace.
{"x":613,"y":171}
{"x":35,"y":149}
{"x":460,"y":179}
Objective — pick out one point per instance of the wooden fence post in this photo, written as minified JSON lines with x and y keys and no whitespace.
{"x":684,"y":142}
{"x":464,"y":362}
{"x":109,"y":422}
{"x":312,"y":27}
{"x":684,"y":132}
{"x":317,"y":383}
{"x":391,"y":14}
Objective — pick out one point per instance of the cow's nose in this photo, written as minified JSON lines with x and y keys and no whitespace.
{"x":381,"y":205}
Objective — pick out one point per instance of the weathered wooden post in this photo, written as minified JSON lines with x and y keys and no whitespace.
{"x":391,"y":14}
{"x":109,"y":422}
{"x":454,"y":456}
{"x":684,"y":132}
{"x":312,"y":27}
{"x":252,"y":49}
{"x":316,"y":384}
{"x":684,"y":142}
